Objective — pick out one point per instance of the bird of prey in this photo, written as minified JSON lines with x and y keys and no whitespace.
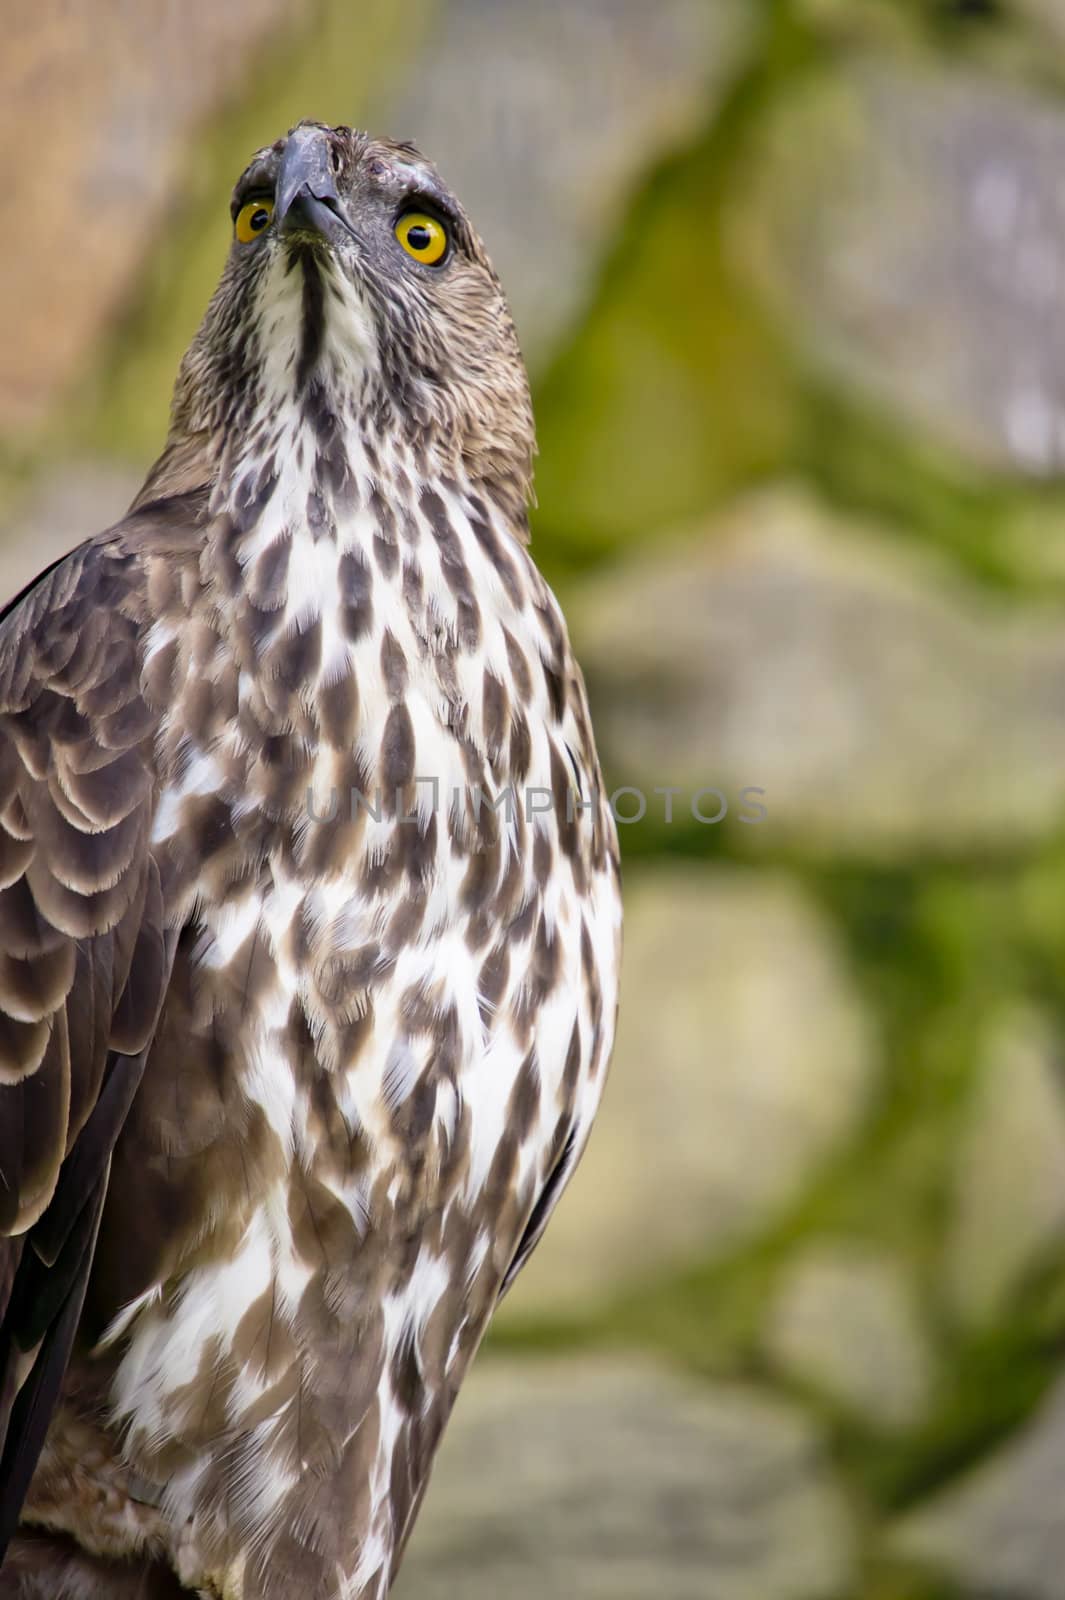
{"x":309,"y":920}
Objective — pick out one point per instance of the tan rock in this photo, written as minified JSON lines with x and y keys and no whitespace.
{"x":847,"y":1322}
{"x":1009,"y":1207}
{"x":96,"y":105}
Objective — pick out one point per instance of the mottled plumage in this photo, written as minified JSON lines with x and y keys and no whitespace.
{"x":303,"y":1021}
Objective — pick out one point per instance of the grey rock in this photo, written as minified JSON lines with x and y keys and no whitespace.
{"x":724,"y":1096}
{"x":1009,"y":1206}
{"x":544,"y":116}
{"x":595,"y":1480}
{"x":847,"y":1322}
{"x":71,"y":501}
{"x":908,"y":223}
{"x":1000,"y":1534}
{"x":884,"y":703}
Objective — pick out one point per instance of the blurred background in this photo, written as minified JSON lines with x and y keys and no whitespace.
{"x":790,"y":276}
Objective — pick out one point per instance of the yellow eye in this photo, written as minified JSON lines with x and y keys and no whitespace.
{"x":252,"y":219}
{"x":422,"y":237}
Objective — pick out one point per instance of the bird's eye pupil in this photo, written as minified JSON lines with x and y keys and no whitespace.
{"x":419,"y":238}
{"x":259,"y":219}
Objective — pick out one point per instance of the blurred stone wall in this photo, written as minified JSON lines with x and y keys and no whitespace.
{"x":791,"y":278}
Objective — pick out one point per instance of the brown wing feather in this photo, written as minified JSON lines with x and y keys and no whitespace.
{"x":85,"y":954}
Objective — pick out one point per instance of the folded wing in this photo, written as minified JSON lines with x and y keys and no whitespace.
{"x":85,"y":957}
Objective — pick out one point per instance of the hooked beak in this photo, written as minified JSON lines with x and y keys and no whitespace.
{"x":306,"y":198}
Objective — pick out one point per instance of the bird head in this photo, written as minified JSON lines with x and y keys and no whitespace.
{"x":357,"y":289}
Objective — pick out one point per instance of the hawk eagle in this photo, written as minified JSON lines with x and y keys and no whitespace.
{"x":309,"y":920}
